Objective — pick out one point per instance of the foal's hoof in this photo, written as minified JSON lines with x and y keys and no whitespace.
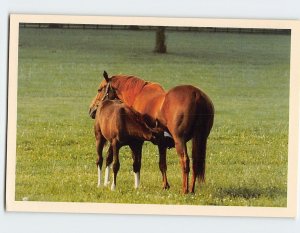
{"x":166,"y":186}
{"x":113,"y":187}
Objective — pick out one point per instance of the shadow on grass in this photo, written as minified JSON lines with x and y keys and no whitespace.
{"x":251,"y":192}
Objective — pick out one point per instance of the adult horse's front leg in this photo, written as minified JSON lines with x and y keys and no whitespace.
{"x":181,"y":149}
{"x":162,"y":149}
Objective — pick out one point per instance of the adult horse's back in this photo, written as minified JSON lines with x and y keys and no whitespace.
{"x":185,"y":112}
{"x":188,"y":113}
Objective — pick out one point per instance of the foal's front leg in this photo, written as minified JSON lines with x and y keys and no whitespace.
{"x":100,"y":142}
{"x":109,"y":160}
{"x":116,"y":163}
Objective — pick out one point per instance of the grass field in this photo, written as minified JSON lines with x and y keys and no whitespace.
{"x":246,"y":76}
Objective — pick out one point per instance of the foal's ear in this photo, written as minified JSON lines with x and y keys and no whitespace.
{"x":105,"y":75}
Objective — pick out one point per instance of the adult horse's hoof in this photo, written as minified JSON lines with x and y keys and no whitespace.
{"x":192,"y":191}
{"x":185,"y":191}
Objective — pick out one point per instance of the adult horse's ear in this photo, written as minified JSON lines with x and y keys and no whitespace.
{"x":105,"y":75}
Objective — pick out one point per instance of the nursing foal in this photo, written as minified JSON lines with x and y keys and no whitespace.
{"x":120,"y":125}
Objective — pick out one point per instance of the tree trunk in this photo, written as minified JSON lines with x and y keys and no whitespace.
{"x":160,"y":46}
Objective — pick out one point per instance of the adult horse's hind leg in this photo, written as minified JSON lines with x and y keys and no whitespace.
{"x":109,"y":160}
{"x":136,"y":148}
{"x":100,"y":142}
{"x":116,"y":163}
{"x":163,"y":165}
{"x":181,"y":149}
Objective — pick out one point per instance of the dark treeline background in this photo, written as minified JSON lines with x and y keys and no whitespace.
{"x":135,"y":27}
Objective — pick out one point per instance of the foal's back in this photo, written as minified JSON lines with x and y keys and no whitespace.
{"x":118,"y":121}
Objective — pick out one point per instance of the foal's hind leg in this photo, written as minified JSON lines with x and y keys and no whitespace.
{"x":136,"y":149}
{"x":163,"y":165}
{"x":100,"y":142}
{"x":116,"y":163}
{"x":109,"y":160}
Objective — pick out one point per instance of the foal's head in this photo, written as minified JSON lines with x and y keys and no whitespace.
{"x":105,"y":92}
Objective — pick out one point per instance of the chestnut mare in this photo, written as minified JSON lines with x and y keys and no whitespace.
{"x":120,"y":125}
{"x":184,"y":111}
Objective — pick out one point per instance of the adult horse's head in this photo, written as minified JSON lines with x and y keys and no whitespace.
{"x":105,"y":91}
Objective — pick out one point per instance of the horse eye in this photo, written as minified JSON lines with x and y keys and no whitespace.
{"x":100,"y":89}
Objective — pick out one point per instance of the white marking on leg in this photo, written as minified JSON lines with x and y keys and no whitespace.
{"x":136,"y":180}
{"x":166,"y":134}
{"x":107,"y":174}
{"x":99,"y":176}
{"x":113,"y":186}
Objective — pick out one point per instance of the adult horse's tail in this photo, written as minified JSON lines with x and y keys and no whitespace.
{"x":203,"y":123}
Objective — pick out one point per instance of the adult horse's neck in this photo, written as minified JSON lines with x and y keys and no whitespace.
{"x":128,"y":87}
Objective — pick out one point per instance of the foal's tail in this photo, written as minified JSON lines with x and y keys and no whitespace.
{"x":203,"y":124}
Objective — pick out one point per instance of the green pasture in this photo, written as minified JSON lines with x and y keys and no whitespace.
{"x":246,"y":75}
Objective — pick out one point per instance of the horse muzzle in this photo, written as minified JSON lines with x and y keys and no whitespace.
{"x":92,"y":112}
{"x":163,"y":138}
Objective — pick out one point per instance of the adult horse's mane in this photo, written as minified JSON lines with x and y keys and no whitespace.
{"x":132,"y":86}
{"x":128,"y":83}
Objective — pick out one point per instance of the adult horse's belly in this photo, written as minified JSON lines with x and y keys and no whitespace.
{"x":149,"y":104}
